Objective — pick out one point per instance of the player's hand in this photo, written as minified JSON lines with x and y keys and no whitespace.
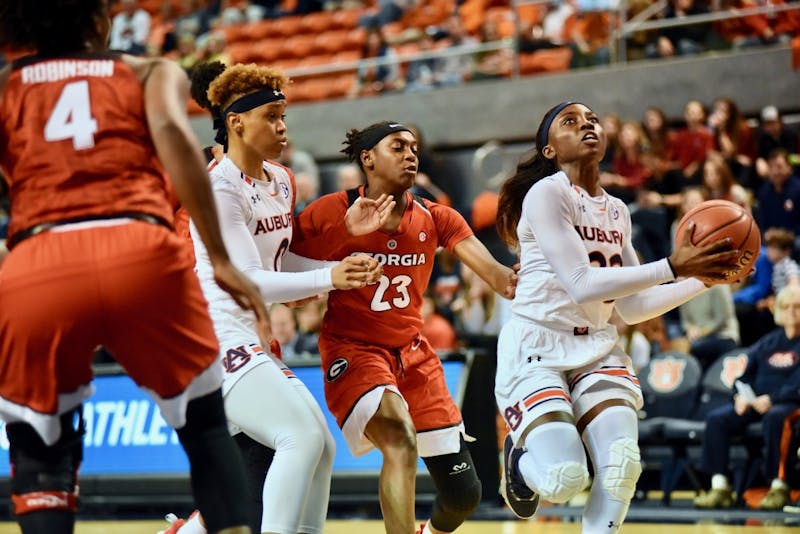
{"x":367,"y":215}
{"x":246,"y":295}
{"x":357,"y":271}
{"x":710,"y":263}
{"x":506,"y":281}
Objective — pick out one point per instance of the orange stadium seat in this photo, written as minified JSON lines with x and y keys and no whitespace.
{"x":285,"y":64}
{"x":356,"y":38}
{"x":242,"y":52}
{"x":287,"y":26}
{"x":341,"y":85}
{"x":532,"y":13}
{"x":552,"y":60}
{"x":317,"y":22}
{"x":393,"y":29}
{"x":299,"y":46}
{"x":347,"y":56}
{"x":334,"y":41}
{"x":347,"y":18}
{"x":266,"y":51}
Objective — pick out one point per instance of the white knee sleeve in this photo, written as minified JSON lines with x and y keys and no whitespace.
{"x":624,"y":468}
{"x":564,"y":481}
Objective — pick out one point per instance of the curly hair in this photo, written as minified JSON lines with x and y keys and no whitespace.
{"x":49,"y":26}
{"x":239,"y":80}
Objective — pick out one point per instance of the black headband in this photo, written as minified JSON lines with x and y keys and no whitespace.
{"x":548,"y":121}
{"x":240,"y":105}
{"x":374,"y":136}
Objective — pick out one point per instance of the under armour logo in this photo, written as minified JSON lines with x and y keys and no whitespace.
{"x":277,"y":93}
{"x":530,"y":358}
{"x":613,"y":525}
{"x":394,"y":125}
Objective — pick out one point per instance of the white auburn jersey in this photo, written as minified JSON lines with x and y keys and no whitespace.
{"x":604,"y":226}
{"x":265,"y":209}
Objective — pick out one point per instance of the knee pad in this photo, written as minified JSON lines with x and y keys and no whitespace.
{"x":458,"y":488}
{"x":624,"y":468}
{"x":563,"y":481}
{"x":45,"y":477}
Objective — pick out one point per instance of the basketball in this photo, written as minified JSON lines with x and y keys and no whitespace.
{"x":720,"y":219}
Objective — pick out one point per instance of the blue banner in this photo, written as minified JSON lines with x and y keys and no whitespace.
{"x":126,"y":435}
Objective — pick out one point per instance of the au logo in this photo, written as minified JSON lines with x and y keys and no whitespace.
{"x":732,"y":368}
{"x":666,"y":375}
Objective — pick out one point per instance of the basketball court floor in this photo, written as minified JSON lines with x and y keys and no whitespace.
{"x":471,"y":527}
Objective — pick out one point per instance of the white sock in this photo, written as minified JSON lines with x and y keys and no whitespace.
{"x":778,"y":484}
{"x":720,"y":482}
{"x":193,"y":526}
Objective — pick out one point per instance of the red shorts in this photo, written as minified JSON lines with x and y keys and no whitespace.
{"x":357,"y":374}
{"x":129,"y":287}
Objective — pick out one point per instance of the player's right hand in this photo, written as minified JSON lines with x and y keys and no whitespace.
{"x":246,"y":295}
{"x":710,"y":263}
{"x":356,"y":271}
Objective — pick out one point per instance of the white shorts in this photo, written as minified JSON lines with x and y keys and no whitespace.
{"x":238,"y":355}
{"x":528,"y":384}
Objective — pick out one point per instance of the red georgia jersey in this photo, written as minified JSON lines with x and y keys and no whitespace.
{"x":387,"y":313}
{"x":74,"y":142}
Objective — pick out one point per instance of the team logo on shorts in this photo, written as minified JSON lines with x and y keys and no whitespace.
{"x":513,"y":416}
{"x":336,"y":369}
{"x":392,"y":244}
{"x":423,"y":237}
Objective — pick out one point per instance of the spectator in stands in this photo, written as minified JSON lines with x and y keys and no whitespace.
{"x":733,"y":138}
{"x":428,"y":171}
{"x":612,"y":124}
{"x":388,"y":11}
{"x":779,"y":197}
{"x":658,"y":139}
{"x":780,"y":247}
{"x":376,"y":79}
{"x":633,"y":342}
{"x":550,"y":34}
{"x":773,"y":375}
{"x":719,"y":182}
{"x":348,"y":176}
{"x":630,"y":171}
{"x":475,"y":308}
{"x":446,"y":283}
{"x":306,"y":173}
{"x":710,"y":324}
{"x":197,"y":17}
{"x":162,"y":39}
{"x":493,"y":63}
{"x":754,"y":316}
{"x":454,"y":70}
{"x":188,"y":55}
{"x":421,"y":73}
{"x":130,"y":28}
{"x":294,"y":345}
{"x":690,"y":145}
{"x":214,"y":48}
{"x":437,"y":330}
{"x":774,"y":134}
{"x":309,"y":323}
{"x":680,"y":40}
{"x":588,"y":30}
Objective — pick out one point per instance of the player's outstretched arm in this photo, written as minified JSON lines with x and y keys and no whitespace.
{"x":475,"y":255}
{"x":166,"y":89}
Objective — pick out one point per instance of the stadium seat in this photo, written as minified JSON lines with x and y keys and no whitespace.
{"x":346,"y":18}
{"x":286,"y":26}
{"x":670,"y":385}
{"x":317,"y":22}
{"x":551,"y":60}
{"x":335,"y":41}
{"x":717,"y":388}
{"x":242,"y":52}
{"x":266,"y":51}
{"x":298,"y":46}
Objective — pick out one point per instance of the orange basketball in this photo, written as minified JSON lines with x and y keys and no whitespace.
{"x":718,"y":219}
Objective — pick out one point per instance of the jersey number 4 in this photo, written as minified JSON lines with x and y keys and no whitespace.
{"x":400,"y":284}
{"x":71,"y":118}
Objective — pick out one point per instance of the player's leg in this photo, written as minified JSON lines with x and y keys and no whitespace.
{"x":315,"y":510}
{"x":543,"y":454}
{"x":458,"y":489}
{"x":391,"y":430}
{"x":153,"y":292}
{"x":44,"y":477}
{"x":257,"y":459}
{"x":266,"y":406}
{"x":606,"y":398}
{"x":440,"y":439}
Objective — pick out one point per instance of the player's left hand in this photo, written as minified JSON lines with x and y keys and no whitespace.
{"x":367,"y":215}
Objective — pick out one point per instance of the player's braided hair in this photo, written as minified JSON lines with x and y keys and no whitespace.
{"x":354,"y":140}
{"x":49,"y":26}
{"x":513,"y":191}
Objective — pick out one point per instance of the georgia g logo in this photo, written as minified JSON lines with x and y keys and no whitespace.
{"x":336,"y":369}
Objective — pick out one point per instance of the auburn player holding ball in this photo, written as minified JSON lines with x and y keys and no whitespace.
{"x":383,"y":381}
{"x":562,"y":383}
{"x":85,"y":138}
